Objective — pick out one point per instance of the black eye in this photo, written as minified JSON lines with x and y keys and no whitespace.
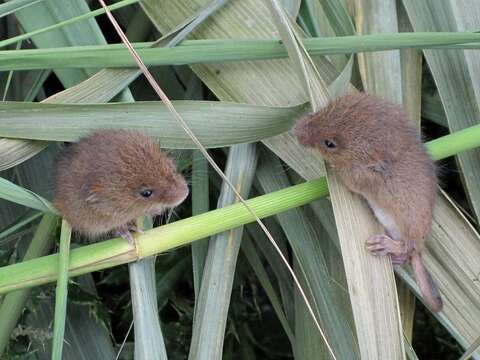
{"x":146,"y":193}
{"x":330,"y":144}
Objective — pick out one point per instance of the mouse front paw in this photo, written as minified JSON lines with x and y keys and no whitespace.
{"x":132,"y":226}
{"x":381,"y":245}
{"x":124,"y":232}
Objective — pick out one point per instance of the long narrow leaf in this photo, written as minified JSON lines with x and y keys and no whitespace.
{"x":215,"y":291}
{"x":61,"y":292}
{"x":215,"y":123}
{"x":14,"y":303}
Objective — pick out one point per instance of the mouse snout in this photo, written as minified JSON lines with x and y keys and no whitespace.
{"x":177,"y":193}
{"x":304,"y":132}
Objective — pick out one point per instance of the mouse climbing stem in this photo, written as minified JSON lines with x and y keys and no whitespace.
{"x":117,"y":251}
{"x":114,"y":252}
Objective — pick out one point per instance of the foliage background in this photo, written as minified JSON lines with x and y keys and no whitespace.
{"x":266,"y":318}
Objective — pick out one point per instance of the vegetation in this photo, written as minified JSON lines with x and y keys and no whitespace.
{"x":209,"y":284}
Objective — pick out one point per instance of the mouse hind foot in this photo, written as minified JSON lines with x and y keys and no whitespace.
{"x":381,"y":245}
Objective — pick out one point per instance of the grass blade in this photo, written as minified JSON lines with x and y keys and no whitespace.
{"x":15,"y":5}
{"x":257,"y":266}
{"x":11,"y":192}
{"x":451,"y":255}
{"x":61,"y":292}
{"x":449,"y":69}
{"x":37,"y":16}
{"x":149,"y":343}
{"x":106,"y":83}
{"x":200,"y":205}
{"x":311,"y":263}
{"x":215,"y":123}
{"x":13,"y":304}
{"x":215,"y":291}
{"x":61,"y":24}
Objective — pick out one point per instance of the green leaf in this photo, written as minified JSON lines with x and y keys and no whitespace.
{"x":450,"y":69}
{"x":11,"y":192}
{"x":61,"y":24}
{"x":215,"y":123}
{"x":14,"y":5}
{"x":149,"y":343}
{"x":304,"y":241}
{"x":13,"y":304}
{"x":61,"y":293}
{"x":214,"y":298}
{"x":200,"y":204}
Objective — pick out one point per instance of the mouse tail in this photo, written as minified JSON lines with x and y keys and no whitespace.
{"x":425,"y":282}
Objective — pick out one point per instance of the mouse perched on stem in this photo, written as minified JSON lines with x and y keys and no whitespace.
{"x":378,"y":153}
{"x":108,"y":179}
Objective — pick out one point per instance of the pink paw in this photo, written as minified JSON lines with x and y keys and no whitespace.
{"x":378,"y":245}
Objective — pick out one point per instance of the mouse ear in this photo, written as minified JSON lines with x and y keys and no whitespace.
{"x":380,"y":166}
{"x":89,"y":191}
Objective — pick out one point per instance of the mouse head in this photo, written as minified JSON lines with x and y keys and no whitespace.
{"x":142,"y":179}
{"x":352,"y":129}
{"x":154,"y":184}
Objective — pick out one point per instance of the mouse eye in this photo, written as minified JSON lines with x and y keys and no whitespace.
{"x":146,"y":193}
{"x":330,"y":144}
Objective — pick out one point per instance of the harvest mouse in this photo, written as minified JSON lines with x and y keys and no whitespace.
{"x":108,"y":179}
{"x":378,"y":153}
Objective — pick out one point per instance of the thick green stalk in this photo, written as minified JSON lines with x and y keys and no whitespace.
{"x":117,"y":251}
{"x":207,"y":51}
{"x":454,"y":143}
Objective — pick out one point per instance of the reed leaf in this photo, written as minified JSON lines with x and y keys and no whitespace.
{"x":200,"y":204}
{"x":13,"y":304}
{"x":15,"y":5}
{"x":215,"y":123}
{"x":213,"y":301}
{"x":149,"y":342}
{"x":61,"y":292}
{"x":311,"y":264}
{"x":450,"y":68}
{"x":61,"y":24}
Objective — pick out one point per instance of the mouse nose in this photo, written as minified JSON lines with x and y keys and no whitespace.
{"x":177,"y":194}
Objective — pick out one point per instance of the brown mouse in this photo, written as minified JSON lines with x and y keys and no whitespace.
{"x":108,"y":179}
{"x":378,"y":153}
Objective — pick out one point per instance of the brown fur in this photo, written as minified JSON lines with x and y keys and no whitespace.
{"x":99,"y":179}
{"x":379,"y":155}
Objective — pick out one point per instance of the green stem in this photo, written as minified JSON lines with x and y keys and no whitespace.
{"x":454,"y":143}
{"x":117,"y":251}
{"x":214,"y":50}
